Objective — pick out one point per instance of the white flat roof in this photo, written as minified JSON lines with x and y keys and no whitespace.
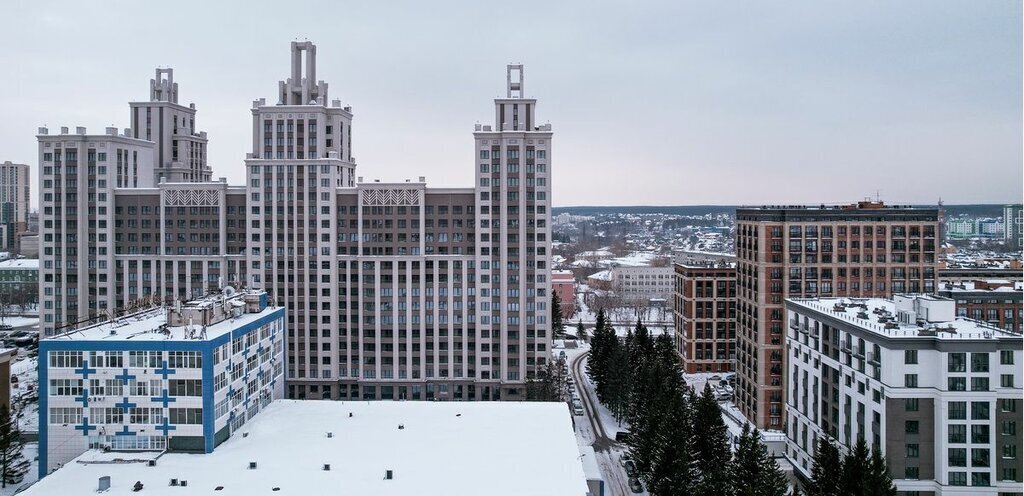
{"x":445,"y":449}
{"x":960,"y":328}
{"x":146,"y":326}
{"x":20,"y":263}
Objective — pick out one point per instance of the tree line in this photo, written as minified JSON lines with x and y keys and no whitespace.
{"x":677,"y":440}
{"x":860,"y":472}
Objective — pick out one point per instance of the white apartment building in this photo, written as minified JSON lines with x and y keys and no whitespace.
{"x":938,"y":394}
{"x":180,"y":151}
{"x":643,"y":283}
{"x":179,"y":378}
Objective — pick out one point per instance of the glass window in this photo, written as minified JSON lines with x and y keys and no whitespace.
{"x":957,"y":433}
{"x":957,"y":362}
{"x":957,"y":457}
{"x":1006,"y":357}
{"x":979,"y":362}
{"x":957,"y":410}
{"x":910,"y":356}
{"x":912,"y":426}
{"x":958,"y":478}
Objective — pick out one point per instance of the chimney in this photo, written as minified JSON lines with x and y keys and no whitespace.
{"x":80,"y":130}
{"x":63,"y":130}
{"x":44,"y":130}
{"x":111,"y":131}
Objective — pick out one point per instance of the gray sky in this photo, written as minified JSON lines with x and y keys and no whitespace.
{"x":660,"y":103}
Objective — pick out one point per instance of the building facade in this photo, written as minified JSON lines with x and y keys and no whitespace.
{"x":179,"y":378}
{"x":1013,"y":226}
{"x":643,"y":284}
{"x":563,"y":283}
{"x":394,"y":290}
{"x":999,"y":302}
{"x":179,"y":151}
{"x":866,"y":249}
{"x":14,"y":204}
{"x":704,"y":310}
{"x":19,"y":274}
{"x":940,"y":396}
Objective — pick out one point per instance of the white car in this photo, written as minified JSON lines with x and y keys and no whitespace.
{"x":577,"y":409}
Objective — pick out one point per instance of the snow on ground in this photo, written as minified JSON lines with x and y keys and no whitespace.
{"x":19,"y":322}
{"x":25,"y":394}
{"x":31,"y":453}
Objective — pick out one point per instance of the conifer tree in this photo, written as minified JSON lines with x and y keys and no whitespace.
{"x":13,"y":464}
{"x":855,"y":468}
{"x":557,"y":326}
{"x":879,"y":481}
{"x":755,"y":472}
{"x":711,"y":447}
{"x":670,"y":468}
{"x":581,"y":332}
{"x":827,"y":470}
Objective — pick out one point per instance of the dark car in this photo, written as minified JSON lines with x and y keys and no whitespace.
{"x":630,"y":468}
{"x":621,"y":436}
{"x":635,"y":485}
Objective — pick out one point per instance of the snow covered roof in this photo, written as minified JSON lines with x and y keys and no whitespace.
{"x":20,"y":264}
{"x":604,"y":275}
{"x":443,"y":448}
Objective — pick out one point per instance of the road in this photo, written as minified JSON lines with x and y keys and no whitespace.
{"x":593,"y":431}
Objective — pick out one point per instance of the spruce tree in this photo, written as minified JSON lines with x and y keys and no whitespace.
{"x":711,"y":447}
{"x":827,"y":470}
{"x":755,"y":472}
{"x":855,"y":468}
{"x":879,"y":481}
{"x":581,"y":332}
{"x":557,"y":326}
{"x":13,"y":464}
{"x":670,"y":469}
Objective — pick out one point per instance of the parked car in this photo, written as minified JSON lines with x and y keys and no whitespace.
{"x":635,"y":485}
{"x":630,"y":468}
{"x":621,"y":436}
{"x":577,"y":409}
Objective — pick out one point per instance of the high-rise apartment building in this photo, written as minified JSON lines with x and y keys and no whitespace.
{"x":393,"y":290}
{"x":863,"y":250}
{"x":704,"y":310}
{"x":398,"y":290}
{"x":180,"y":151}
{"x":1013,"y":225}
{"x":938,"y":395}
{"x":14,"y":202}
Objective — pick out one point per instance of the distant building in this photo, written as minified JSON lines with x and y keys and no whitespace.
{"x":600,"y":280}
{"x":14,"y":204}
{"x":642,"y":284}
{"x":1013,"y":229}
{"x":564,"y":285}
{"x":19,"y":273}
{"x":961,"y":274}
{"x":6,"y":356}
{"x":940,"y":396}
{"x":866,"y":249}
{"x":704,"y":310}
{"x":180,"y":152}
{"x":182,"y":378}
{"x":381,"y":448}
{"x":998,"y":302}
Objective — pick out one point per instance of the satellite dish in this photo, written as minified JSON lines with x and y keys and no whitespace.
{"x":229,"y":291}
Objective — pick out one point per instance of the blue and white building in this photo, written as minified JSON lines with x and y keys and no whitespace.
{"x":175,"y":379}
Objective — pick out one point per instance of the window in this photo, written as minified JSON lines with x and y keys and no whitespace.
{"x":185,"y":387}
{"x":912,"y":426}
{"x":957,"y":383}
{"x":1006,"y":380}
{"x":957,"y":457}
{"x":911,"y":404}
{"x":958,"y":478}
{"x":185,"y":415}
{"x":1006,"y":357}
{"x":910,"y":357}
{"x":979,"y":434}
{"x":957,"y":433}
{"x":979,"y":457}
{"x":910,"y":380}
{"x":957,"y":410}
{"x":912,"y":473}
{"x":957,"y":362}
{"x":979,"y":362}
{"x":65,"y":415}
{"x":913,"y":450}
{"x":65,"y":387}
{"x":1009,"y":428}
{"x":979,"y":410}
{"x":979,"y":383}
{"x":980,"y":479}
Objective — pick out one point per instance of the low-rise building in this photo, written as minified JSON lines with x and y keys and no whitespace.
{"x":564,"y":285}
{"x":995,"y":301}
{"x":1013,"y":225}
{"x":19,"y":274}
{"x":383,"y":448}
{"x":181,"y":378}
{"x":704,"y":309}
{"x":642,"y":284}
{"x":938,"y":394}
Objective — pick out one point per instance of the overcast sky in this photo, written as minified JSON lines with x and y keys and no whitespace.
{"x":661,"y":103}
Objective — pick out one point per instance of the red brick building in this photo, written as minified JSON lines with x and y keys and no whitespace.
{"x":704,"y":309}
{"x":564,"y":285}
